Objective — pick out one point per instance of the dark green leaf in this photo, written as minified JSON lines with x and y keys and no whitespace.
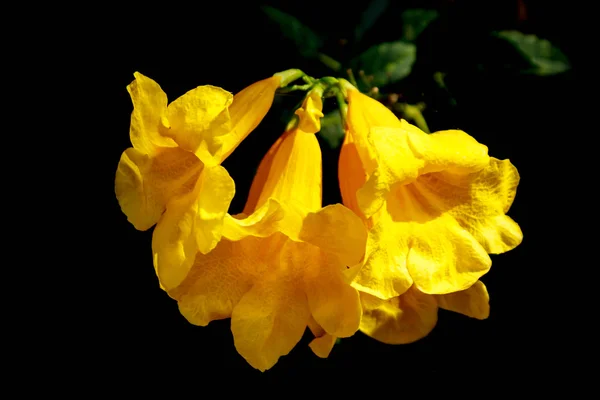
{"x":331,"y":129}
{"x":545,"y":59}
{"x":386,"y":62}
{"x":306,"y":40}
{"x":414,"y":21}
{"x":369,"y":17}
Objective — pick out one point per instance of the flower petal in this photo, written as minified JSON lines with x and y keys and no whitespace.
{"x":351,"y":174}
{"x":214,"y":285}
{"x":191,"y":223}
{"x":248,"y":109}
{"x":295,"y":173}
{"x":269,"y":320}
{"x":473,"y":302}
{"x":478,"y":202}
{"x":144,"y":184}
{"x":323,"y":342}
{"x":261,"y":176}
{"x":149,"y":109}
{"x":322,"y":345}
{"x":218,"y":280}
{"x":384,"y":273}
{"x":333,"y":303}
{"x":310,"y":113}
{"x":286,"y":187}
{"x":451,"y":150}
{"x":396,"y":165}
{"x":442,"y":257}
{"x":269,"y":218}
{"x":400,"y":320}
{"x":404,"y":154}
{"x":365,"y":113}
{"x":198,"y":118}
{"x":337,"y":230}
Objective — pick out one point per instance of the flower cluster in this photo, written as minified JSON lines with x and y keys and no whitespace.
{"x":420,"y":214}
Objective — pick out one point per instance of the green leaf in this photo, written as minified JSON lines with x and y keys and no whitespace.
{"x":331,"y":129}
{"x":545,"y":59}
{"x":369,"y":17}
{"x":306,"y":40}
{"x":414,"y":21}
{"x":386,"y":62}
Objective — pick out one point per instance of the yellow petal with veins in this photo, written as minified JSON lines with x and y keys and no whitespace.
{"x":402,"y":155}
{"x":334,"y":304}
{"x":411,"y":240}
{"x":473,"y":302}
{"x":192,"y":223}
{"x":145,"y":184}
{"x":217,"y":281}
{"x":271,"y":318}
{"x":149,"y":110}
{"x":400,"y":320}
{"x":478,"y":202}
{"x":198,"y":118}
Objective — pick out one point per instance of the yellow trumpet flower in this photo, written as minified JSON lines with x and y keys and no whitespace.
{"x":435,"y":207}
{"x":282,"y":264}
{"x":172,"y":175}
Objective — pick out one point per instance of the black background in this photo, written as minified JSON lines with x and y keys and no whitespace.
{"x":138,"y":327}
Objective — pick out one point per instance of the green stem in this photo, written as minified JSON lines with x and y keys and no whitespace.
{"x":294,"y":88}
{"x":289,"y":76}
{"x":351,"y":77}
{"x":330,"y":62}
{"x":342,"y":106}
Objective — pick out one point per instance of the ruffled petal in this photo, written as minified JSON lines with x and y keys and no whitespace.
{"x":396,"y":165}
{"x":191,"y":223}
{"x":218,"y":280}
{"x":214,"y":285}
{"x":198,"y":118}
{"x":333,"y":303}
{"x":145,"y":184}
{"x":400,"y":320}
{"x":473,"y":302}
{"x":404,"y":154}
{"x":384,"y":273}
{"x":441,"y":256}
{"x":271,"y":318}
{"x":269,"y":218}
{"x":478,"y":202}
{"x":149,"y":110}
{"x":452,"y":150}
{"x":337,"y":230}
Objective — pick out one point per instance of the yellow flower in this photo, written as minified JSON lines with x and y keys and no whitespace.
{"x":435,"y":207}
{"x":172,"y":175}
{"x":412,"y":315}
{"x":282,"y":264}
